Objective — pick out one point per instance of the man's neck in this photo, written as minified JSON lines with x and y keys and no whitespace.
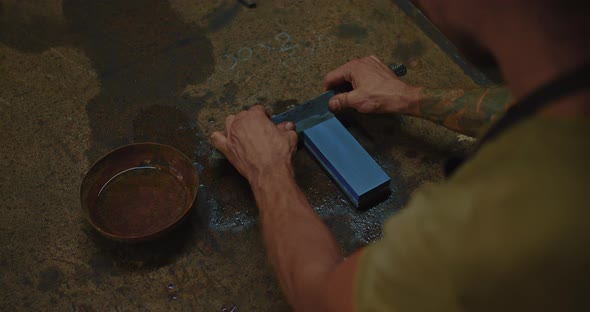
{"x":530,"y":58}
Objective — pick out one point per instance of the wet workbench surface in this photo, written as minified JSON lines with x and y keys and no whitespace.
{"x":80,"y":78}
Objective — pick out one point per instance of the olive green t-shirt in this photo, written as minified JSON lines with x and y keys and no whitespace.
{"x":509,"y":231}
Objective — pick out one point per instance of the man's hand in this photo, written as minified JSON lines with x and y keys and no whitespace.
{"x":376,"y":89}
{"x":309,"y":263}
{"x":255,"y":146}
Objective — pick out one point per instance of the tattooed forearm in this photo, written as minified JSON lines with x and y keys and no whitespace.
{"x":464,"y":111}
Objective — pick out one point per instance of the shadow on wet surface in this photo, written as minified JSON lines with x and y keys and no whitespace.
{"x":144,"y":57}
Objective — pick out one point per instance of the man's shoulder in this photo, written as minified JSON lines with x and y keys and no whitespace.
{"x":540,"y":158}
{"x":498,"y":224}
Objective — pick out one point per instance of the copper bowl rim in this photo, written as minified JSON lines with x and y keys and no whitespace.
{"x":150,"y":236}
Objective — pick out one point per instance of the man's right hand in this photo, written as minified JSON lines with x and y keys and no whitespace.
{"x":376,"y":89}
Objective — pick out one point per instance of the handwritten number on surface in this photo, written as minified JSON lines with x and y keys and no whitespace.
{"x":285,"y":42}
{"x":287,"y":46}
{"x":235,"y":60}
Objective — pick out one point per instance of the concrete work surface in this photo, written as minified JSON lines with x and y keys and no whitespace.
{"x":80,"y":78}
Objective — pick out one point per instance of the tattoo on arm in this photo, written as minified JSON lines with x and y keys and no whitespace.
{"x":464,"y":111}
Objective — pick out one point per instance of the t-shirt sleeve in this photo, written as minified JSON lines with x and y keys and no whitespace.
{"x":406,"y":270}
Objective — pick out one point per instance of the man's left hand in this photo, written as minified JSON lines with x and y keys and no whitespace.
{"x":255,"y":146}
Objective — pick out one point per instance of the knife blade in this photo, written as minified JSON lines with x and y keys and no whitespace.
{"x":314,"y":111}
{"x":304,"y":116}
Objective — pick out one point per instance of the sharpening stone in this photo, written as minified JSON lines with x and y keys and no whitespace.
{"x":354,"y":170}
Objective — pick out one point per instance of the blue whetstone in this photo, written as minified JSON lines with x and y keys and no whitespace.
{"x":357,"y":173}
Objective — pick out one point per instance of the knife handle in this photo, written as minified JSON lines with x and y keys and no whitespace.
{"x":399,"y":70}
{"x":345,"y":87}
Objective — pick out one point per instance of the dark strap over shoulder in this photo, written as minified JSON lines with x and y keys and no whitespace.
{"x":566,"y":84}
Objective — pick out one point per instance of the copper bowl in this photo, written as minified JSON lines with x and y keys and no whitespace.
{"x":139,"y":191}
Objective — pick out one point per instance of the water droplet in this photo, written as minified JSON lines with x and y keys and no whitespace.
{"x":198,"y":166}
{"x":171,"y":286}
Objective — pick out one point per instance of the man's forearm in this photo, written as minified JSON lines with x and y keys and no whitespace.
{"x":301,"y":248}
{"x":464,"y":111}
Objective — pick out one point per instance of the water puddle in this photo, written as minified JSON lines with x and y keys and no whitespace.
{"x":140,"y":201}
